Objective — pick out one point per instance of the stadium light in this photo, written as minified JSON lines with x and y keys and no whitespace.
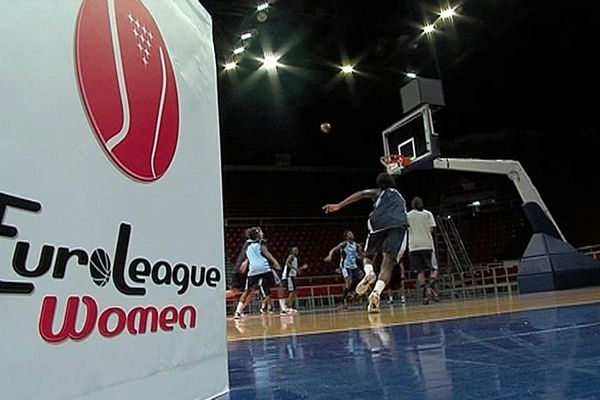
{"x":428,"y":28}
{"x":231,"y":65}
{"x":271,"y":62}
{"x":447,"y":13}
{"x":239,"y":50}
{"x":347,"y":69}
{"x":262,"y":6}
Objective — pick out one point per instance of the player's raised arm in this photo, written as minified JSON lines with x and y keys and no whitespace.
{"x":241,"y":263}
{"x":335,"y":249}
{"x":303,"y":267}
{"x":269,"y":256}
{"x":353,"y":198}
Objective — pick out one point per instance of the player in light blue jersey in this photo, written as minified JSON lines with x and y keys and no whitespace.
{"x":259,"y":268}
{"x":350,"y":252}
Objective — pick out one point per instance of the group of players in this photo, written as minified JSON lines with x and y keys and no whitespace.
{"x":255,"y":269}
{"x":391,"y":231}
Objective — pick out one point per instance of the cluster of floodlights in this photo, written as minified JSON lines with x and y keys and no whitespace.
{"x":271,"y":61}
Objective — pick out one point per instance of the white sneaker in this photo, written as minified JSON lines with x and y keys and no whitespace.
{"x":366,"y":282}
{"x":403,"y":300}
{"x":239,"y":325}
{"x":292,"y":311}
{"x":374,"y":301}
{"x":238,"y":315}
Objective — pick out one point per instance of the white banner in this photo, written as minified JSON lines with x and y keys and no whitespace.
{"x":111,"y":236}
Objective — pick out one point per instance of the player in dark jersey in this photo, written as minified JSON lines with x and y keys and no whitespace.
{"x":350,"y":252}
{"x":387,"y":234}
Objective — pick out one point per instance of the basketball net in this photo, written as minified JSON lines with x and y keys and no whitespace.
{"x":394,"y":163}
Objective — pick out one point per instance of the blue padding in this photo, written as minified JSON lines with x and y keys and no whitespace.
{"x":557,"y":246}
{"x":547,"y":258}
{"x":535,"y":265}
{"x":536,"y":283}
{"x":573,"y":262}
{"x":577,"y":279}
{"x":536,"y":246}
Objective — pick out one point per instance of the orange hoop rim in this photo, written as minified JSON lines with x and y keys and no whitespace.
{"x":395,"y":161}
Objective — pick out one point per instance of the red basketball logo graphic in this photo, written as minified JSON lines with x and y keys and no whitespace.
{"x":128,"y":86}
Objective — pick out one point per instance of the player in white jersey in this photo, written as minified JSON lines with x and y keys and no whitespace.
{"x":290,"y":272}
{"x":350,"y":252}
{"x":421,"y":248}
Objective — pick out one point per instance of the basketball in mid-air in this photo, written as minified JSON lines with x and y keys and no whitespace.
{"x":325,"y":127}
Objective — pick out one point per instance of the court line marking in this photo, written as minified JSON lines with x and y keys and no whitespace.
{"x":423,"y":321}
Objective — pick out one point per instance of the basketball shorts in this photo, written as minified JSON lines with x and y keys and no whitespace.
{"x":390,"y":241}
{"x":423,"y":260}
{"x":290,"y":283}
{"x":238,"y":281}
{"x":263,"y":282}
{"x":355,"y":273}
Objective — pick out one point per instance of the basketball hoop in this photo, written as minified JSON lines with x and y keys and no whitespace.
{"x":395,"y":162}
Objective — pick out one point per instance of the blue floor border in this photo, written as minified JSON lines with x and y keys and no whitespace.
{"x":553,"y":353}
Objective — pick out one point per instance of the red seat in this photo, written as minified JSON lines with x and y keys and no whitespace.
{"x":336,"y":289}
{"x":319,"y":291}
{"x":303,"y":291}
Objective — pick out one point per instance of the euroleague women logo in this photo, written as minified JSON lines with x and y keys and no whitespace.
{"x":128,"y":85}
{"x":130,"y":275}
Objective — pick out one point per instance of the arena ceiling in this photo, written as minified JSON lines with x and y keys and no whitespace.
{"x":520,"y":79}
{"x":508,"y":67}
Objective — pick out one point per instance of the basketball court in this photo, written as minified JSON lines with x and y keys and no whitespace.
{"x":534,"y":342}
{"x":535,"y":346}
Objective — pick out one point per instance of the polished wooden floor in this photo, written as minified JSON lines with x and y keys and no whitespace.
{"x":305,"y":323}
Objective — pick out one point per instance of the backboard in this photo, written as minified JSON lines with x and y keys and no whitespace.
{"x":413,"y":136}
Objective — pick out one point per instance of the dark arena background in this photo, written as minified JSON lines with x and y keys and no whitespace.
{"x":518,"y":84}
